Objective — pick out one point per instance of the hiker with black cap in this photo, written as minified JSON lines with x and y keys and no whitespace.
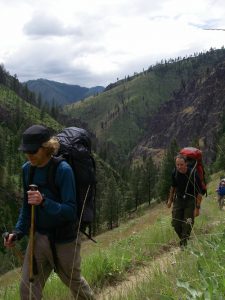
{"x":56,"y":241}
{"x":185,"y":196}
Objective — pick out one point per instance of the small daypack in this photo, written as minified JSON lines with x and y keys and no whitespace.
{"x":194,"y":160}
{"x":75,"y":148}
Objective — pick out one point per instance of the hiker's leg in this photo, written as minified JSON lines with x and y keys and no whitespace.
{"x":188,"y":222}
{"x":43,"y":265}
{"x":221,"y":201}
{"x":68,"y":268}
{"x":177,"y":218}
{"x":218,"y":200}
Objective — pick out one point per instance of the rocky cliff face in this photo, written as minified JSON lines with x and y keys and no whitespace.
{"x":194,"y":114}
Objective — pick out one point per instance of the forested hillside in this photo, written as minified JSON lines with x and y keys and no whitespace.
{"x":194,"y":116}
{"x":120,"y":117}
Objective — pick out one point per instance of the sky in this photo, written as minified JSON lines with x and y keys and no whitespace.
{"x":97,"y":42}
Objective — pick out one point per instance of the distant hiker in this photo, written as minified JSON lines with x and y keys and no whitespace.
{"x":56,"y":241}
{"x":221,"y":193}
{"x":185,"y":195}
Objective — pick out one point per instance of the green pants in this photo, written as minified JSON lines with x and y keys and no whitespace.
{"x":183,"y":217}
{"x":68,"y":269}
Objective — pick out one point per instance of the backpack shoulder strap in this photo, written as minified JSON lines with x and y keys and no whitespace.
{"x":55,"y":161}
{"x":31,"y":172}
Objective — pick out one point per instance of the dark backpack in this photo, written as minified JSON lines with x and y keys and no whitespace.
{"x":194,"y":160}
{"x":75,"y":148}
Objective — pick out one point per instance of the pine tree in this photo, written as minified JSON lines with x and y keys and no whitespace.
{"x":168,"y":164}
{"x":136,"y":184}
{"x":151,"y":175}
{"x":220,"y":160}
{"x":2,"y":75}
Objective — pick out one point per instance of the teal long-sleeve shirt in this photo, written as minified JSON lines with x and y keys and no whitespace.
{"x":55,"y":212}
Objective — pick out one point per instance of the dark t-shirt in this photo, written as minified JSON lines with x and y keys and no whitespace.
{"x":187,"y":185}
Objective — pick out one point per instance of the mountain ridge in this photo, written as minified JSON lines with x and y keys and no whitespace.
{"x":60,"y":93}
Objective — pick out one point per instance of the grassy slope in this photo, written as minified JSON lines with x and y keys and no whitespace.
{"x":195,"y":273}
{"x":137,"y":243}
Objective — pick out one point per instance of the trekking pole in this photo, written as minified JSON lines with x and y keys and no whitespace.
{"x":32,"y":187}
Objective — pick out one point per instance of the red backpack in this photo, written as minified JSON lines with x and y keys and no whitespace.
{"x":194,"y":159}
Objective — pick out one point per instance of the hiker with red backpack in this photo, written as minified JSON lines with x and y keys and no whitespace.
{"x":56,"y":240}
{"x":185,"y":196}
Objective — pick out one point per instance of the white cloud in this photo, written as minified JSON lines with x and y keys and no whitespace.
{"x":92,"y":42}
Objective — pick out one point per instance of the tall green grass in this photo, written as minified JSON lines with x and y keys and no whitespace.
{"x":195,"y":273}
{"x":122,"y":256}
{"x":105,"y":266}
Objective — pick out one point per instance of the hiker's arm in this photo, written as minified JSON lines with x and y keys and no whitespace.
{"x":171,"y":196}
{"x":64,"y":208}
{"x":198,"y":198}
{"x":198,"y":185}
{"x":172,"y":191}
{"x":23,"y":222}
{"x":198,"y":201}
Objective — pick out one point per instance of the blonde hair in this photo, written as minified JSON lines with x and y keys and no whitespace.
{"x":51,"y":146}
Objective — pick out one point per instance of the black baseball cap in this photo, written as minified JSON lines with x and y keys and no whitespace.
{"x":33,"y":138}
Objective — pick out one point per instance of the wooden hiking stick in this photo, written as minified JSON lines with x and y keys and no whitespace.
{"x":31,"y":267}
{"x":32,"y":187}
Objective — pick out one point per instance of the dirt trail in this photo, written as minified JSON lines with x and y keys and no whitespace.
{"x":141,"y":275}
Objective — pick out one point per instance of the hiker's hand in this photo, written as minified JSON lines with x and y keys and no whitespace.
{"x":34,"y":197}
{"x":9,"y":240}
{"x":169,"y":203}
{"x":171,"y":196}
{"x":196,"y":212}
